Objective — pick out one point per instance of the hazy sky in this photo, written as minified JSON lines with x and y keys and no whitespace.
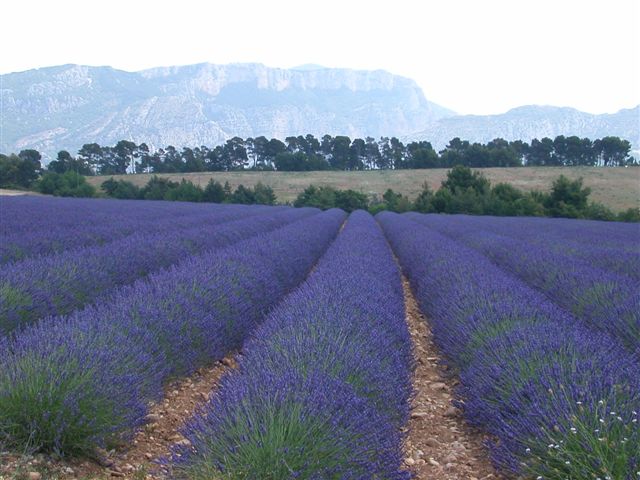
{"x":473,"y":56}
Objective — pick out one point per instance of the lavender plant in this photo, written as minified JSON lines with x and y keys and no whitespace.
{"x":58,"y":284}
{"x":324,"y":384}
{"x":531,"y":373}
{"x":71,"y":229}
{"x":605,"y":301}
{"x":87,"y":379}
{"x":610,"y":246}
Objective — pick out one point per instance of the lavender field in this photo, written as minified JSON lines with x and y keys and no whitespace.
{"x":105,"y":303}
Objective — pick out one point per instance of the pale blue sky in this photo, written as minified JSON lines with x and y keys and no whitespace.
{"x":473,"y":56}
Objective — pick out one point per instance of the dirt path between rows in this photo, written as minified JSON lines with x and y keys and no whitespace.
{"x":165,"y":420}
{"x":439,"y":445}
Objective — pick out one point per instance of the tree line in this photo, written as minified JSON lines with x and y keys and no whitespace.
{"x":308,"y":153}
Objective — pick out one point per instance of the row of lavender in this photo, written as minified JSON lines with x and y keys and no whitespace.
{"x":61,"y":283}
{"x":584,"y":232}
{"x":600,"y":289}
{"x":32,"y":226}
{"x":561,"y":400}
{"x":69,"y":384}
{"x":324,"y":384}
{"x":614,"y":247}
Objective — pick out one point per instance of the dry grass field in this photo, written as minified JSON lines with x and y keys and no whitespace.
{"x":11,"y":193}
{"x":617,"y":188}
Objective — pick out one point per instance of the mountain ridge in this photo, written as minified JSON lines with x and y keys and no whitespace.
{"x":65,"y":106}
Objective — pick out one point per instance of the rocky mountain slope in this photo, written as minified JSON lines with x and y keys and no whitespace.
{"x":66,"y":106}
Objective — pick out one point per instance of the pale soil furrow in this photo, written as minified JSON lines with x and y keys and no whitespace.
{"x":439,"y":445}
{"x":166,"y":418}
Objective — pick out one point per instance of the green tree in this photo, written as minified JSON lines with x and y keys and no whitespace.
{"x":120,"y":189}
{"x":10,"y":171}
{"x":214,"y":192}
{"x":396,"y":202}
{"x":290,"y":162}
{"x":504,"y":154}
{"x":506,"y":200}
{"x":421,"y":155}
{"x":350,"y":200}
{"x":185,"y":191}
{"x":318,"y":197}
{"x":597,"y":211}
{"x":424,"y":201}
{"x":629,"y":215}
{"x":540,"y":153}
{"x":357,"y":154}
{"x":613,"y":151}
{"x":371,"y":153}
{"x":568,"y":198}
{"x":461,"y":178}
{"x":227,"y":190}
{"x":340,"y":153}
{"x":68,"y":184}
{"x":243,"y":195}
{"x":64,"y":162}
{"x":264,"y":194}
{"x":19,"y":171}
{"x":30,"y":168}
{"x":234,"y":154}
{"x":454,"y":153}
{"x":123,"y":157}
{"x":157,"y":188}
{"x":273,"y":148}
{"x":463,"y":191}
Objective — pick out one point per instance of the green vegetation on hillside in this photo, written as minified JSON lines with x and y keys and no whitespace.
{"x":463,"y":191}
{"x":163,"y":189}
{"x":466,"y":191}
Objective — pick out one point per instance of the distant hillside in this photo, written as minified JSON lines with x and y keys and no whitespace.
{"x":526,"y":123}
{"x":64,"y":107}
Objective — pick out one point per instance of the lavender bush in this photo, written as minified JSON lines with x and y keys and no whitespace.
{"x":561,"y":401}
{"x":66,"y":230}
{"x":614,"y":247}
{"x":324,"y":384}
{"x":88,"y":378}
{"x":605,"y":301}
{"x":58,"y":284}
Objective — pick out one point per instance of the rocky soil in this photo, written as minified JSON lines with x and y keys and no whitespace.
{"x":440,"y":445}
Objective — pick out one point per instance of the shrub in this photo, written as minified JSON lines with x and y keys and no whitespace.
{"x":68,"y":184}
{"x":630,"y":215}
{"x":185,"y":191}
{"x":120,"y":189}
